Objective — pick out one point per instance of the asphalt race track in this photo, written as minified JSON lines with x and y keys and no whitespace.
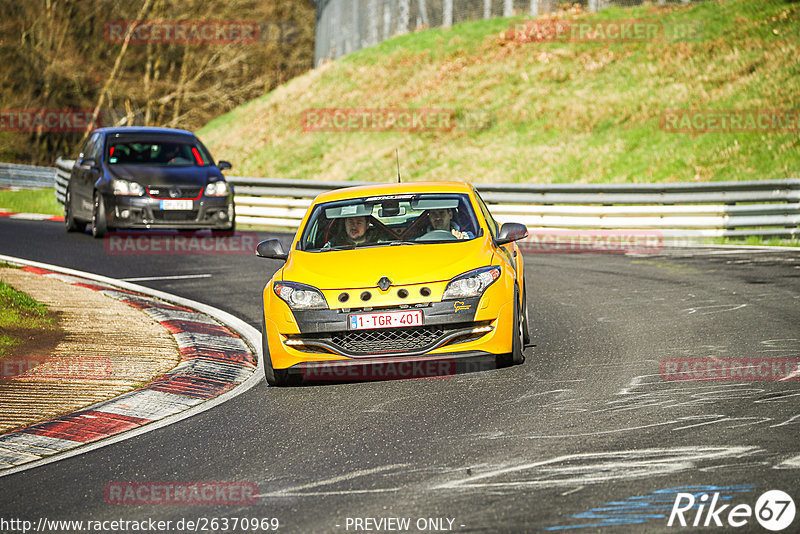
{"x":587,"y":433}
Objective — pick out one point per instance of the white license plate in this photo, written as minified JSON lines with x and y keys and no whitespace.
{"x":176,"y":204}
{"x":391,"y":319}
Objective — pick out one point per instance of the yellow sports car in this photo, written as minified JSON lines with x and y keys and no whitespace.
{"x":408,"y":278}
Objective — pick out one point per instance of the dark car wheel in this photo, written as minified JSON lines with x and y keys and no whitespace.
{"x":99,"y":223}
{"x":70,"y":222}
{"x":517,"y":355}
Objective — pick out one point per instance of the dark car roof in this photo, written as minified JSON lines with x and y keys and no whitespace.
{"x":144,"y":130}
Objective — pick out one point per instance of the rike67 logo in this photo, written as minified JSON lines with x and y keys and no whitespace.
{"x":774,"y":510}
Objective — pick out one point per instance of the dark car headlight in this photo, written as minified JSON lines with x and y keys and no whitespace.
{"x":127,"y":188}
{"x":472,"y":283}
{"x":217,"y":189}
{"x":300,"y":296}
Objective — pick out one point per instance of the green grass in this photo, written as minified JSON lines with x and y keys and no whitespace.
{"x":31,"y":201}
{"x":20,"y":313}
{"x":560,"y":112}
{"x":757,"y":241}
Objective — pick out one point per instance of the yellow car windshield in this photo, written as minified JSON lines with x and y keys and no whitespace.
{"x":390,"y":220}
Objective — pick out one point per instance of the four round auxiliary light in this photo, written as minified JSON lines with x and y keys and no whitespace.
{"x":402,"y":293}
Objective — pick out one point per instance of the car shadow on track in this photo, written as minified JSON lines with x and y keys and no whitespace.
{"x":331,"y":373}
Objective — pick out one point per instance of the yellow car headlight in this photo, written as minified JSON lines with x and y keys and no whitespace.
{"x":472,"y":283}
{"x":300,"y":296}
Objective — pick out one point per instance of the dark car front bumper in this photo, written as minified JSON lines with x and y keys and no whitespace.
{"x":128,"y":212}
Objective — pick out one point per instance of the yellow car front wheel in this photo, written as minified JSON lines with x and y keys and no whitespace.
{"x":517,"y":354}
{"x":274,"y":377}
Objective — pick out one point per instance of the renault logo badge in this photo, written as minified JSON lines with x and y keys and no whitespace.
{"x":384,"y":283}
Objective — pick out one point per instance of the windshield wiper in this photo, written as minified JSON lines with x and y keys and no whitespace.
{"x":329,"y":248}
{"x":366,"y":245}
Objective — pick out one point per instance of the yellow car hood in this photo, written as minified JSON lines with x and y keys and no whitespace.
{"x":403,"y":264}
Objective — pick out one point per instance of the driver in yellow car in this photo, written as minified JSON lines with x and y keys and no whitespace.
{"x":356,"y":232}
{"x":355,"y":229}
{"x":442,"y":219}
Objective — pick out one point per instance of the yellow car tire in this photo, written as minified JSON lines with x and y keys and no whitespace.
{"x":517,"y":354}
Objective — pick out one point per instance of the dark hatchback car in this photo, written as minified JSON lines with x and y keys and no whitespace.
{"x":142,"y":178}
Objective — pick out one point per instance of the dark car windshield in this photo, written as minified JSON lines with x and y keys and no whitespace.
{"x":390,"y":220}
{"x":157,"y":153}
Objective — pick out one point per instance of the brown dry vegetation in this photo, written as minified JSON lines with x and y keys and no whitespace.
{"x":55,"y":56}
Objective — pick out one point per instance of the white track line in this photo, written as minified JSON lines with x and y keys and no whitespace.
{"x":791,"y":463}
{"x":175,"y":277}
{"x":293,"y":491}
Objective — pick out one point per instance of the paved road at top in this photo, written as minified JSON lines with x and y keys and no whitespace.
{"x":585,"y":433}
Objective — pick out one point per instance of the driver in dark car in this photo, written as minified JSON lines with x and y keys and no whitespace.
{"x":442,"y":219}
{"x":169,"y":153}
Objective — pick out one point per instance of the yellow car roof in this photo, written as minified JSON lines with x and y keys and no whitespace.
{"x":393,"y":189}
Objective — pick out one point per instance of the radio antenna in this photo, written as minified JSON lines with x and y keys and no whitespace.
{"x":397,"y":155}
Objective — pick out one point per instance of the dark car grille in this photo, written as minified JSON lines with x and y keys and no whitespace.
{"x":174,"y":216}
{"x":178,"y":192}
{"x":387,"y":340}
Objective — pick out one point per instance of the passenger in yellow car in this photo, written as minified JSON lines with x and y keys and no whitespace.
{"x":442,"y":219}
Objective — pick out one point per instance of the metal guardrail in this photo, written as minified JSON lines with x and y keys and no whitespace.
{"x":703,"y":209}
{"x":674,"y":210}
{"x":26,"y":176}
{"x":63,"y":168}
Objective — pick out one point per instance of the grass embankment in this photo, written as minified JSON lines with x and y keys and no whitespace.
{"x":22,"y":319}
{"x":560,"y":111}
{"x":31,"y":201}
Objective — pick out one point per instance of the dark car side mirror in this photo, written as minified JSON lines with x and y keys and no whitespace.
{"x":224,"y":165}
{"x":511,"y":232}
{"x":271,"y":248}
{"x":88,"y":162}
